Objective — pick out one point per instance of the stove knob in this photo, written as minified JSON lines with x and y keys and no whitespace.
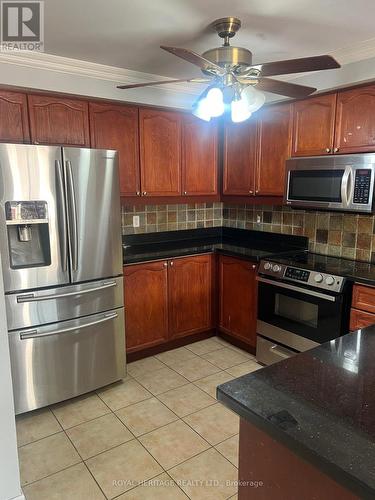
{"x":276,"y":268}
{"x":267,"y":265}
{"x":318,"y":278}
{"x":330,"y":280}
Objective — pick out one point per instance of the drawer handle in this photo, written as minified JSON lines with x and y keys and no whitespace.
{"x":31,"y":298}
{"x":279,"y":351}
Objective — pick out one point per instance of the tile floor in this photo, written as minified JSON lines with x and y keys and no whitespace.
{"x":159,"y":434}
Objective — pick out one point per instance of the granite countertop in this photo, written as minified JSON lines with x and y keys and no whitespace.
{"x":320,"y":404}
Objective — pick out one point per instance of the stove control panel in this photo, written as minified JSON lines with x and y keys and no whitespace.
{"x":314,"y":279}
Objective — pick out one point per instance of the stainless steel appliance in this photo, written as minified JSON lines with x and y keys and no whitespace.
{"x":335,"y":182}
{"x":301,"y":304}
{"x":60,"y":241}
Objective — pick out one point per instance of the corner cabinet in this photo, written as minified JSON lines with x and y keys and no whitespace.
{"x":167,"y":299}
{"x":14,"y":122}
{"x":238,"y":298}
{"x":57,"y":120}
{"x":115,"y":126}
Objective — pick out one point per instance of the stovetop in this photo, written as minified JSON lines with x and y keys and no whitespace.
{"x":318,"y":263}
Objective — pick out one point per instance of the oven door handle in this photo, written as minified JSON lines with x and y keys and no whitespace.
{"x":297,"y":289}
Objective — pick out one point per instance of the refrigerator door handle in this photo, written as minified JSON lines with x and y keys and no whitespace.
{"x":62,"y":215}
{"x":33,"y":334}
{"x":72,"y":216}
{"x":30,"y":297}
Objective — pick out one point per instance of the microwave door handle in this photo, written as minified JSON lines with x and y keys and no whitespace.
{"x":62,"y":215}
{"x":346,"y":186}
{"x":73,"y":216}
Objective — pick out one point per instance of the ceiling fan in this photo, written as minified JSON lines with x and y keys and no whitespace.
{"x":233,"y":78}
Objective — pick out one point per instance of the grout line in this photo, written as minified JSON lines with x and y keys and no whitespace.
{"x":52,"y":474}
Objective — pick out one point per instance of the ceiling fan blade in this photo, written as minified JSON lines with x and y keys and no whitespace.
{"x":163,"y":82}
{"x":315,"y":63}
{"x":282,"y":88}
{"x":196,"y":59}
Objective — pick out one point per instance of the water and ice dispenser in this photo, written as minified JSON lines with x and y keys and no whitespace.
{"x":28,"y":233}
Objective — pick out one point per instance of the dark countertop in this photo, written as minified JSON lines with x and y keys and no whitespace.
{"x":327,"y":396}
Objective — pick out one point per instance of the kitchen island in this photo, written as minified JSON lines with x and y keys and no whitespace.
{"x":308,"y":423}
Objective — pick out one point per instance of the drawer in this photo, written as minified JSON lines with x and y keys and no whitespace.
{"x":360,"y":319}
{"x":364,"y":298}
{"x":270,"y":352}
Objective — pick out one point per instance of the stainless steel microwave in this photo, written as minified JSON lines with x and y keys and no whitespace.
{"x":337,"y":182}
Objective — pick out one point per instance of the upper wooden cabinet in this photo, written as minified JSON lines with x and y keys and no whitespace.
{"x":355,"y":120}
{"x":57,"y":120}
{"x":114,"y":126}
{"x":313,"y":125}
{"x":240,"y":141}
{"x":199,"y":157}
{"x":274,"y":146}
{"x":14,"y":122}
{"x":160,"y":147}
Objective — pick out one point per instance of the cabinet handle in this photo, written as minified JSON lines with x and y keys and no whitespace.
{"x":253,"y":266}
{"x":138,"y":193}
{"x":144,"y":193}
{"x":171,"y":263}
{"x":165,"y":264}
{"x":336,"y":150}
{"x":257,"y":191}
{"x":185,"y":192}
{"x":36,"y":142}
{"x":328,"y":150}
{"x":251,"y":192}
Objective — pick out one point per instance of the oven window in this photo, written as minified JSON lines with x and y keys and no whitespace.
{"x":315,"y":185}
{"x":297,"y":310}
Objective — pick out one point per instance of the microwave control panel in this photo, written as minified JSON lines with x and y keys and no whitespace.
{"x":362,"y":184}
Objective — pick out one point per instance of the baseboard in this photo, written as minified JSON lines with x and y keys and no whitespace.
{"x":20,"y":497}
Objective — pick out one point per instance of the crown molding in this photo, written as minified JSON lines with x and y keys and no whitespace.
{"x":76,"y":67}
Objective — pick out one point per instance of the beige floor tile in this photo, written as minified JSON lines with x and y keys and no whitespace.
{"x":46,"y":456}
{"x":123,"y":394}
{"x":243,"y":368}
{"x":203,"y":346}
{"x":123,"y":468}
{"x":194,"y":369}
{"x":175,"y":355}
{"x":246,"y":354}
{"x":229,"y":448}
{"x":36,"y":425}
{"x":146,"y":416}
{"x":159,"y":488}
{"x":144,"y":365}
{"x":214,"y":423}
{"x":222,"y":342}
{"x":75,"y":483}
{"x":208,"y":476}
{"x":209,"y":384}
{"x":161,"y":380}
{"x":78,"y":410}
{"x":98,"y":435}
{"x":224,"y":358}
{"x":174,"y":443}
{"x":185,"y":400}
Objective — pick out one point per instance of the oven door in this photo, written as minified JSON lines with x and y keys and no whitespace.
{"x":298,"y":317}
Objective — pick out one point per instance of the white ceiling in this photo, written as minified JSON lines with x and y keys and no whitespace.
{"x":127,"y":33}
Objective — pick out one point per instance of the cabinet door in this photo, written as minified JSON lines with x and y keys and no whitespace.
{"x":238,"y":298}
{"x":313,"y":125}
{"x":273,"y":149}
{"x":115,"y":126}
{"x":146,"y":304}
{"x":360,"y":319}
{"x":160,"y":143}
{"x":57,"y":120}
{"x":14,"y":123}
{"x":355,"y":124}
{"x":240,"y":152}
{"x":199,"y":153}
{"x":190,"y":295}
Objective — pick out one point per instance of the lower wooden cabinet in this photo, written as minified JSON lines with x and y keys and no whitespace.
{"x":167,"y":299}
{"x":238,"y":298}
{"x":362,"y":313}
{"x":360,"y":319}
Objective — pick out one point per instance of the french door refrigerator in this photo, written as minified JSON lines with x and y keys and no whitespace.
{"x":61,"y":252}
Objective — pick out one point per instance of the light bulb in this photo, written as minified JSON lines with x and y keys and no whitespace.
{"x":202,"y":110}
{"x":254,"y":98}
{"x":215,"y":101}
{"x":239,"y":111}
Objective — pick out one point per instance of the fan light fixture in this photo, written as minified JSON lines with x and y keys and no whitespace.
{"x":209,"y":105}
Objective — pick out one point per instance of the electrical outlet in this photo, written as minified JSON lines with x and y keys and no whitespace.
{"x":135,"y":220}
{"x":258,"y":219}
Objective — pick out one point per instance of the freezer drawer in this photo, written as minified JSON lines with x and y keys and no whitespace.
{"x":25,"y":309}
{"x":59,"y":361}
{"x":271,"y":352}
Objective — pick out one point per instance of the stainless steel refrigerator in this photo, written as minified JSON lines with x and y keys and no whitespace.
{"x":60,"y":243}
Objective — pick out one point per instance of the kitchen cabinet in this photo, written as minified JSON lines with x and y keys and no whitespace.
{"x":115,"y":126}
{"x":240,"y":144}
{"x":313,"y":125}
{"x":14,"y":122}
{"x":167,"y":299}
{"x":355,"y":123}
{"x":190,"y":285}
{"x":238,"y":298}
{"x":146,"y":304}
{"x":362,"y":313}
{"x":360,"y":319}
{"x":274,"y":147}
{"x":199,"y":157}
{"x":160,"y":152}
{"x":58,"y":120}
